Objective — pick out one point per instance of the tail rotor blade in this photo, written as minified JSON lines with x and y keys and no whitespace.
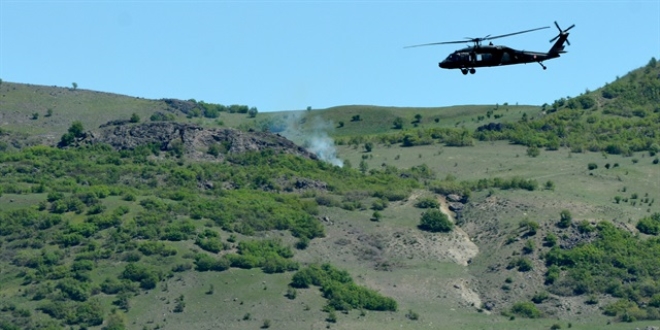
{"x":557,"y":25}
{"x":570,"y":27}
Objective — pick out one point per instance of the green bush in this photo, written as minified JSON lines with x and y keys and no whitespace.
{"x":147,"y":276}
{"x":205,"y":262}
{"x":427,"y":203}
{"x":540,"y":297}
{"x":338,"y":287}
{"x":211,"y":244}
{"x":435,"y":221}
{"x":565,"y":219}
{"x":525,"y":309}
{"x":649,"y":225}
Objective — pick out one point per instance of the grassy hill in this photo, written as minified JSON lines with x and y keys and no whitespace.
{"x":554,"y":209}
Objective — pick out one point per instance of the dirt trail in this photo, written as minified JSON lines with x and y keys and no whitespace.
{"x":465,"y":251}
{"x":462,"y":253}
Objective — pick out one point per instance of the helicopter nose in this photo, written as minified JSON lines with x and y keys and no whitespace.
{"x":443,"y":64}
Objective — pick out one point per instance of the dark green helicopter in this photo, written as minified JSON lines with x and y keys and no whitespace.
{"x":480,"y":55}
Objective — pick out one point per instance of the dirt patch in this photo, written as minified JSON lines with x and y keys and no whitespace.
{"x":448,"y":247}
{"x":466,"y":250}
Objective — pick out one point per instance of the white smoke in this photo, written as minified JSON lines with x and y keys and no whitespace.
{"x":312,"y":132}
{"x":324,"y":147}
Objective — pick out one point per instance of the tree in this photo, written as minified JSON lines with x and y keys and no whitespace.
{"x":75,"y":85}
{"x":368,"y":146}
{"x":435,"y":221}
{"x":135,"y":118}
{"x":76,"y":129}
{"x":418,"y":118}
{"x":253,"y":112}
{"x":398,"y":123}
{"x":363,"y":166}
{"x":650,"y":225}
{"x":49,"y":112}
{"x":565,"y":219}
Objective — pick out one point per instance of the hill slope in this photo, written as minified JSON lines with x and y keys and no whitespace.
{"x":147,"y":235}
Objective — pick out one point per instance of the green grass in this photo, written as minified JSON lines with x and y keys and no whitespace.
{"x":391,"y":256}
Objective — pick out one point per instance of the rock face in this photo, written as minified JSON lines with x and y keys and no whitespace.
{"x":196,"y":140}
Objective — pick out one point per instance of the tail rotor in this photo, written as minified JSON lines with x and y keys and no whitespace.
{"x":562,"y":33}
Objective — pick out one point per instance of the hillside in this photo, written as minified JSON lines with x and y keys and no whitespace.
{"x":170,"y":214}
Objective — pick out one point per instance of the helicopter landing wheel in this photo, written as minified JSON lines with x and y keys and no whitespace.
{"x":472,"y":71}
{"x":464,"y":71}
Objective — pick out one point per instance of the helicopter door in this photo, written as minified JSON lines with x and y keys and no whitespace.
{"x":506,"y":58}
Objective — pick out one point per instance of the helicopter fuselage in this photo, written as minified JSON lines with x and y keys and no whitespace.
{"x":490,"y":55}
{"x":477,"y":56}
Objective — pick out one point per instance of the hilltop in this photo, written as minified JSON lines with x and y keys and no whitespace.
{"x":168,"y":214}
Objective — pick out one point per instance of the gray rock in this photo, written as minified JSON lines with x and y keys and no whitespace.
{"x":195,"y":139}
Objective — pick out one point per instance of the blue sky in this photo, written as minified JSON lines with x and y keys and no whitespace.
{"x":287,"y":55}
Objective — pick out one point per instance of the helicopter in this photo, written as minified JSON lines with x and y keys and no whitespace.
{"x":478,"y":55}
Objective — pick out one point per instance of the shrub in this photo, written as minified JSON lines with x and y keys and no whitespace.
{"x":427,"y":203}
{"x":565,"y":219}
{"x":147,"y":277}
{"x":376,"y":216}
{"x":211,"y":244}
{"x":379,"y":204}
{"x":412,"y":315}
{"x":529,"y":247}
{"x":650,"y":225}
{"x":338,"y":287}
{"x":530,"y":226}
{"x":398,"y":123}
{"x":585,"y":227}
{"x":550,"y":240}
{"x":540,"y":297}
{"x":533,"y":151}
{"x":592,"y":166}
{"x":526,"y":309}
{"x":291,"y":293}
{"x":435,"y":221}
{"x":549,"y":185}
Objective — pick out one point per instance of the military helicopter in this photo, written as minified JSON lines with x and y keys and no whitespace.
{"x":480,"y":55}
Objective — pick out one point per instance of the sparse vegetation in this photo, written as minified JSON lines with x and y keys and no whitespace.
{"x":88,"y":232}
{"x":338,"y":287}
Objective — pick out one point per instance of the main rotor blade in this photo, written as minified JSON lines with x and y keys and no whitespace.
{"x":439,"y":43}
{"x":557,"y":25}
{"x":476,"y":40}
{"x":511,"y":34}
{"x":570,"y":27}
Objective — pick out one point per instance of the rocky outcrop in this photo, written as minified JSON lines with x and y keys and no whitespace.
{"x":196,"y":140}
